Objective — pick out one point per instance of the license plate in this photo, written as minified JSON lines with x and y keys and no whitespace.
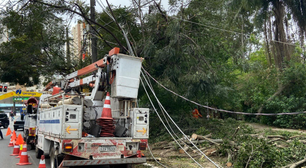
{"x":107,"y":148}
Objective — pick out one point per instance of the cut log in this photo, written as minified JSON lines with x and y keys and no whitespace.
{"x":210,"y":152}
{"x":166,"y":151}
{"x":200,"y":137}
{"x":214,"y":141}
{"x":182,"y":150}
{"x":229,"y":164}
{"x":196,"y":151}
{"x":229,"y":158}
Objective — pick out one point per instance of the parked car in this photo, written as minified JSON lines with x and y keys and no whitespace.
{"x":18,"y":123}
{"x":4,"y":120}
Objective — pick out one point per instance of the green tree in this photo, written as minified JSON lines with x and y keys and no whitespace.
{"x":35,"y":47}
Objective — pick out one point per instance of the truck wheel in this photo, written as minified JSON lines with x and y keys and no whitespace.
{"x":5,"y":125}
{"x":38,"y":153}
{"x":55,"y":161}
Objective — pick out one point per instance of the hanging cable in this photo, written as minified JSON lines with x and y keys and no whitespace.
{"x":221,"y":110}
{"x":166,"y":126}
{"x":162,"y":109}
{"x":154,"y":157}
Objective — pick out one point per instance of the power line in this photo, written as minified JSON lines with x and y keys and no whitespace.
{"x":222,"y":110}
{"x":230,"y":31}
{"x":184,"y":135}
{"x":166,"y":126}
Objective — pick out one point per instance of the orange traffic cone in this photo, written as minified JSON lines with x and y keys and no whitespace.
{"x":107,"y":112}
{"x":24,"y":160}
{"x":11,"y":142}
{"x":8,"y":132}
{"x":21,"y":149}
{"x":14,"y":137}
{"x":42,"y":162}
{"x":106,"y":119}
{"x":19,"y":140}
{"x":15,"y":151}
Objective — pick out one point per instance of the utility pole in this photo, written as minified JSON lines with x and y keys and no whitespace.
{"x":93,"y":37}
{"x":68,"y":48}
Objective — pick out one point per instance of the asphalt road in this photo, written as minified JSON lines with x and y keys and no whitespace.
{"x":8,"y":161}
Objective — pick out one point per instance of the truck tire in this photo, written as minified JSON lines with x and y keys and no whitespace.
{"x":38,"y":153}
{"x":5,"y":125}
{"x":55,"y":160}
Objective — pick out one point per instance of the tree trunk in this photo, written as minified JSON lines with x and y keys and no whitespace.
{"x":280,"y":35}
{"x":267,"y":44}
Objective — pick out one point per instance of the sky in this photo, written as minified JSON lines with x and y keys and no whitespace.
{"x":122,"y":3}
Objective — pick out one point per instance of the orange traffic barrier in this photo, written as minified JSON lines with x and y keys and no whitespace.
{"x":8,"y":132}
{"x":15,"y":151}
{"x":24,"y":160}
{"x":42,"y":162}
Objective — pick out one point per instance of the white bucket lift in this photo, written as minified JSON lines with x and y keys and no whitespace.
{"x":126,"y":76}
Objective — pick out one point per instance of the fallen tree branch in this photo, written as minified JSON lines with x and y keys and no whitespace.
{"x":166,"y":151}
{"x":251,"y":155}
{"x":200,"y":137}
{"x":276,"y":136}
{"x":294,"y":165}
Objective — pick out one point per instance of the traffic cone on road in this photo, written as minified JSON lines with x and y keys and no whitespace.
{"x":42,"y":162}
{"x":24,"y":160}
{"x":21,"y":149}
{"x":8,"y":132}
{"x":19,"y":140}
{"x":14,"y":137}
{"x":11,"y":142}
{"x":15,"y":151}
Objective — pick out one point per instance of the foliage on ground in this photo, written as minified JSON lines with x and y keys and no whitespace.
{"x":248,"y":151}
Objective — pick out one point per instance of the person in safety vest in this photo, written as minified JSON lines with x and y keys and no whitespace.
{"x":196,"y":114}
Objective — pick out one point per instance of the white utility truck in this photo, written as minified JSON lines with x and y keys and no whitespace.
{"x":72,"y":129}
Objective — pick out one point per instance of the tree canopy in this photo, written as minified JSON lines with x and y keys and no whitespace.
{"x":237,"y":55}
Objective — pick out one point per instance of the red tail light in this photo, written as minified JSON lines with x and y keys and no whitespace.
{"x":68,"y":147}
{"x":143,"y":144}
